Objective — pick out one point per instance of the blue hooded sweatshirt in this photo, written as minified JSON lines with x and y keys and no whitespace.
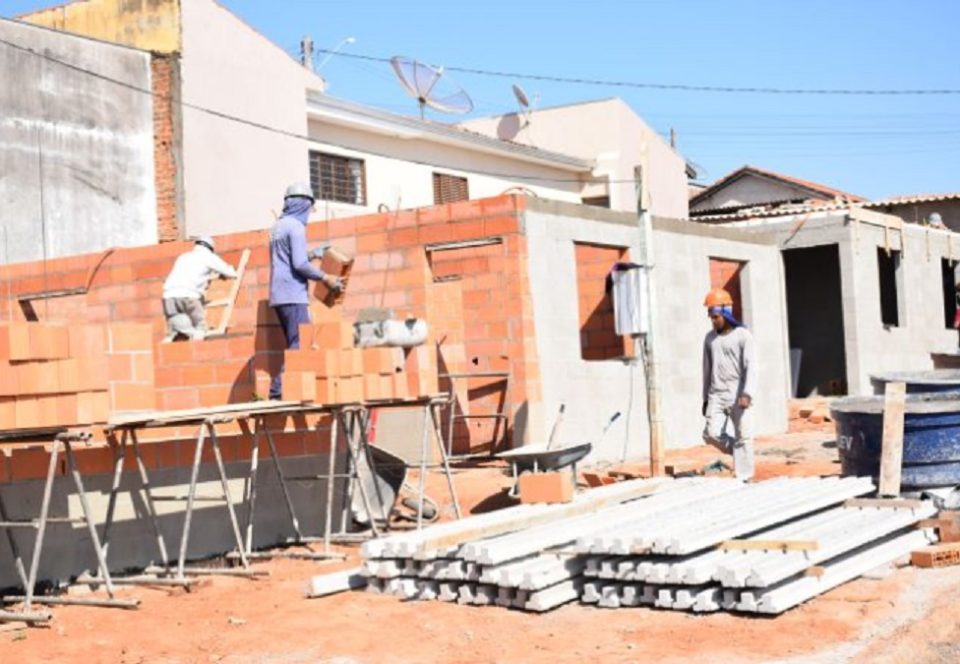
{"x":290,"y":266}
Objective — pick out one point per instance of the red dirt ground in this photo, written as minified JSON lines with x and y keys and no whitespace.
{"x":909,"y":616}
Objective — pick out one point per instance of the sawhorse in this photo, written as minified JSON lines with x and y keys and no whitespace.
{"x":28,"y":576}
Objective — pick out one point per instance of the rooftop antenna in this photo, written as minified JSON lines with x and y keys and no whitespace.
{"x":422,"y":82}
{"x":306,"y":52}
{"x":526,"y":106}
{"x":333,"y":51}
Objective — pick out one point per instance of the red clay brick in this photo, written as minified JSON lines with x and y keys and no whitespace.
{"x":546,"y":487}
{"x":130,"y":337}
{"x":299,"y":386}
{"x":131,"y":397}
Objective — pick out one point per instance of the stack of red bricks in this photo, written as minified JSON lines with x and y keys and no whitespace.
{"x":328,"y":369}
{"x":57,"y":375}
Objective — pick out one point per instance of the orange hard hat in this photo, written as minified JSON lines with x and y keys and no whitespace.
{"x":717,"y":297}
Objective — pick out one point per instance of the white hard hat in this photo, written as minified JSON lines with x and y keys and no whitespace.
{"x":206,"y":241}
{"x":299,"y":189}
{"x":935,"y":219}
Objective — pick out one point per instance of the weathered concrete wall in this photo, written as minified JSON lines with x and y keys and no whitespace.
{"x":592,"y":391}
{"x":96,"y":138}
{"x":235,"y":173}
{"x":68,"y":549}
{"x":151,"y":25}
{"x":610,"y":132}
{"x":682,"y":277}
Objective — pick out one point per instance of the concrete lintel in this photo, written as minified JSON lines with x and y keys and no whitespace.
{"x":719,"y":232}
{"x":577,"y":211}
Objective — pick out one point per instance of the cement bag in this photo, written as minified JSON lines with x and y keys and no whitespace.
{"x":405,"y":333}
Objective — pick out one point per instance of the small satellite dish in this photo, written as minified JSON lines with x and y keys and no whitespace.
{"x":521,"y":96}
{"x":423,"y":83}
{"x":526,"y":106}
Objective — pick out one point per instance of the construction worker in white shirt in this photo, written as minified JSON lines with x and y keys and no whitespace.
{"x":186,"y":286}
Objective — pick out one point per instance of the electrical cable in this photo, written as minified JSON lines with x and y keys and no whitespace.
{"x":682,"y":87}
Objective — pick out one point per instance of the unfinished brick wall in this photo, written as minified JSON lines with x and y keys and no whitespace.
{"x":165,"y":77}
{"x":598,"y":337}
{"x":482,"y":320}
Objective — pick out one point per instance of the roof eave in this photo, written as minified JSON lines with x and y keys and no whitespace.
{"x":374,"y":120}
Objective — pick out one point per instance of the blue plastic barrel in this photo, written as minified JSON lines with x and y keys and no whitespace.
{"x":931,"y":438}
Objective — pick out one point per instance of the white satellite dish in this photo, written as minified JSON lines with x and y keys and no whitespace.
{"x":423,"y":83}
{"x":526,"y":106}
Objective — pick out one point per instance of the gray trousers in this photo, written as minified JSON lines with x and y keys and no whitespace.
{"x":721,"y":417}
{"x":185,"y":316}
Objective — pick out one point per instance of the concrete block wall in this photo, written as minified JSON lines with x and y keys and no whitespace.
{"x":591,"y":390}
{"x":682,"y":278}
{"x":870,"y":347}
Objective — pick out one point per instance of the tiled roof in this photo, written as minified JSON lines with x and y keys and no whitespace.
{"x":828,"y":193}
{"x":912,"y":199}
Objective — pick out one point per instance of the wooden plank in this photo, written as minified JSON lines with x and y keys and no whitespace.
{"x":891,"y":456}
{"x":893,"y":503}
{"x":191,"y":414}
{"x":781,"y":545}
{"x":231,"y":298}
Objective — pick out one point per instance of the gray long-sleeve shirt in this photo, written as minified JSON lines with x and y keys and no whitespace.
{"x":729,"y":365}
{"x":290,"y":266}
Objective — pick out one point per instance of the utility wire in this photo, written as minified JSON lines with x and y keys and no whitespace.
{"x":681,"y":87}
{"x":284,"y":132}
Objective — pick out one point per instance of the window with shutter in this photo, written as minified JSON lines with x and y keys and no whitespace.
{"x":449,"y":188}
{"x":337,"y":178}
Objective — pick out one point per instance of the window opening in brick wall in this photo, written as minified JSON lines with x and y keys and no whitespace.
{"x":598,"y":337}
{"x":449,"y":188}
{"x":949,"y":282}
{"x":339,"y":179}
{"x":725,"y":274}
{"x":888,"y":265}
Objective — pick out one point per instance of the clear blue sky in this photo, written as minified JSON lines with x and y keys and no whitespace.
{"x":869,"y":145}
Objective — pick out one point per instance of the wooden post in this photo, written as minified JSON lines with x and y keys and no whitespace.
{"x":891,"y":457}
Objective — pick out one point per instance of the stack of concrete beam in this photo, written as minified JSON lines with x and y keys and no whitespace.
{"x":661,"y":543}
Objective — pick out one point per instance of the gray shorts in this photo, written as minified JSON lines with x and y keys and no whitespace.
{"x":185,"y":315}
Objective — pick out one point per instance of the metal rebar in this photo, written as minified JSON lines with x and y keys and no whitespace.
{"x":14,"y":548}
{"x":423,"y":465}
{"x":151,"y":504}
{"x":194,"y":472}
{"x":234,"y":522}
{"x":250,"y":496}
{"x":88,"y":515}
{"x":119,"y":458}
{"x":42,"y":527}
{"x":331,"y":469}
{"x":78,"y":601}
{"x":437,"y":428}
{"x":283,"y":484}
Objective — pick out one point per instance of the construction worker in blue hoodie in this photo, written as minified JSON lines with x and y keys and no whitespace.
{"x":291,"y":269}
{"x":729,"y":383}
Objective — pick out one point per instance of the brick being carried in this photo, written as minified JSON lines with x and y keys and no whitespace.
{"x":337,"y":264}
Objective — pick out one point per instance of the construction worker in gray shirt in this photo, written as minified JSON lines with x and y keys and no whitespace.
{"x":185,"y":288}
{"x":729,"y":383}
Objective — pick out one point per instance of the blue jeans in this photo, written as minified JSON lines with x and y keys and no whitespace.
{"x":290,"y":317}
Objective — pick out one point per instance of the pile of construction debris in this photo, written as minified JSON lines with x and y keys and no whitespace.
{"x":700,"y":544}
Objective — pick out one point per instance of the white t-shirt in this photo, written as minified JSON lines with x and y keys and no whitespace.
{"x":192,"y":272}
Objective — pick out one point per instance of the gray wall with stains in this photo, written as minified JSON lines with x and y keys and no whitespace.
{"x":87,"y":137}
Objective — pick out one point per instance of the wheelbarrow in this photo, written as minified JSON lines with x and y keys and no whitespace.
{"x":544,"y":457}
